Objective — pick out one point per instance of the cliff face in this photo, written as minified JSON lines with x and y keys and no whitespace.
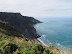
{"x":23,"y":24}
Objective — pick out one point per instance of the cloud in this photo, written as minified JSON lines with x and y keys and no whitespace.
{"x":38,"y":8}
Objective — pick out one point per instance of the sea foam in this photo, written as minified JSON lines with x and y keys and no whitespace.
{"x":47,"y":44}
{"x":42,"y":42}
{"x":43,"y":35}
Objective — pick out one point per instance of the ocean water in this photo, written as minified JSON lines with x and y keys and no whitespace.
{"x":56,"y":31}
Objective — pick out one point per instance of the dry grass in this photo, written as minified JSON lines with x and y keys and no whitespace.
{"x":55,"y":50}
{"x":3,"y":21}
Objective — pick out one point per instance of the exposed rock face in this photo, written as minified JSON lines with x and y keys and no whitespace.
{"x":23,"y":24}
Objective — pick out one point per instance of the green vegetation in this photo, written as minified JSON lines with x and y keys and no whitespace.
{"x":8,"y":30}
{"x":12,"y":42}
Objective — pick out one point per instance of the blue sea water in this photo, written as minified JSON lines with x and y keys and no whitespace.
{"x":58,"y":31}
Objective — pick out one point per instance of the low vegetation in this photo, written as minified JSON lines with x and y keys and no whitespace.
{"x":12,"y":42}
{"x":9,"y":30}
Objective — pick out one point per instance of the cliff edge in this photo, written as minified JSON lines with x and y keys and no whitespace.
{"x":24,"y":24}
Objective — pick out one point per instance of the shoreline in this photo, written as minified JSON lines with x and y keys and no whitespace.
{"x":42,"y":43}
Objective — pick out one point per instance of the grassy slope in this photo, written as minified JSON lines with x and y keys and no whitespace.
{"x":12,"y":42}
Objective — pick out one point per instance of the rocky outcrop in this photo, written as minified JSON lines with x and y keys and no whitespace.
{"x":24,"y":24}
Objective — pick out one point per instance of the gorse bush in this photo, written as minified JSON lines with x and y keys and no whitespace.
{"x":38,"y":48}
{"x":7,"y":47}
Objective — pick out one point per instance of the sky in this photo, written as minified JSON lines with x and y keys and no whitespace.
{"x":38,"y":8}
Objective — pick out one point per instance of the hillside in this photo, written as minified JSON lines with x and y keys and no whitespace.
{"x":12,"y":42}
{"x":24,"y":24}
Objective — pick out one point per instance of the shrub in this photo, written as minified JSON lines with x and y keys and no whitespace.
{"x":8,"y":47}
{"x":38,"y":48}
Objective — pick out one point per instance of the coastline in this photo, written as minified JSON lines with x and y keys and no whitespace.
{"x":38,"y":39}
{"x":50,"y":45}
{"x":42,"y":43}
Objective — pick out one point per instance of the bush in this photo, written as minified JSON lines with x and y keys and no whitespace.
{"x":38,"y":48}
{"x":8,"y":47}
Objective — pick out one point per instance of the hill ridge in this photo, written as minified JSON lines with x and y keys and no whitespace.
{"x":24,"y":24}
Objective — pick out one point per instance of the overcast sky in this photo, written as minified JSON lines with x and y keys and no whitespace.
{"x":38,"y":8}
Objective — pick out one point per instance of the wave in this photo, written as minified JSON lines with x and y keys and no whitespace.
{"x":58,"y":44}
{"x":42,"y":42}
{"x":66,"y":41}
{"x":64,"y":48}
{"x":43,"y":35}
{"x":47,"y":45}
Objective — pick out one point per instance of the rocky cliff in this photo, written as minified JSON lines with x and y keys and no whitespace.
{"x":24,"y":24}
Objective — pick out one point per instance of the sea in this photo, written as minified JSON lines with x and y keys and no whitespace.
{"x":55,"y":31}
